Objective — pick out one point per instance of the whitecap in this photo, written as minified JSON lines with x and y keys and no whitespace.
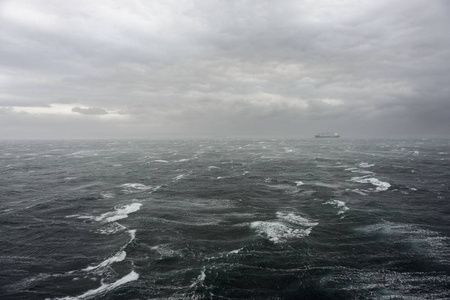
{"x":107,"y":195}
{"x":366,"y":165}
{"x":381,"y":185}
{"x":121,"y":212}
{"x":200,"y":279}
{"x":277,"y":232}
{"x":130,"y":188}
{"x":351,"y":169}
{"x":288,"y":227}
{"x":179,"y":177}
{"x":132,"y":276}
{"x":164,"y":251}
{"x":136,"y":186}
{"x":299,"y":183}
{"x":212,"y":167}
{"x":358,"y":191}
{"x":236,"y":251}
{"x":111,"y":228}
{"x":342,"y":208}
{"x":160,"y":161}
{"x":119,"y":256}
{"x":296,"y":219}
{"x":81,"y":217}
{"x":183,"y":160}
{"x":327,"y":185}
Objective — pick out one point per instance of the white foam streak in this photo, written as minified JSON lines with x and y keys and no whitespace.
{"x":338,"y":204}
{"x":381,"y":185}
{"x":235,"y":251}
{"x":277,"y":232}
{"x":119,"y":213}
{"x":132,"y":276}
{"x":183,"y":160}
{"x":200,"y":279}
{"x":296,"y":219}
{"x":131,"y":187}
{"x":119,"y":256}
{"x":358,"y":191}
{"x":112,"y":228}
{"x":366,"y":165}
{"x":179,"y":177}
{"x":286,"y":228}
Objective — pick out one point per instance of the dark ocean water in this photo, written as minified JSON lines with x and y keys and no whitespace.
{"x":235,"y":219}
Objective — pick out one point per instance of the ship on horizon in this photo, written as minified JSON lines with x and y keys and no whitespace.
{"x":327,"y":135}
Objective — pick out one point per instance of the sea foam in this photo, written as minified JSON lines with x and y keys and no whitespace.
{"x":121,"y":212}
{"x":366,"y":165}
{"x":132,"y":276}
{"x":380,"y":185}
{"x":340,"y":205}
{"x":133,"y":187}
{"x":119,"y":256}
{"x":277,"y":232}
{"x":296,"y":219}
{"x":287,"y":226}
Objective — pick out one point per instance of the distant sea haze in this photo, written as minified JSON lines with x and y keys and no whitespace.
{"x":225,"y":219}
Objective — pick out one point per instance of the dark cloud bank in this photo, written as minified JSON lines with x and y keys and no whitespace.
{"x":156,"y":69}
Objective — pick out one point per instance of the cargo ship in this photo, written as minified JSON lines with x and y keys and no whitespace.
{"x":327,"y":135}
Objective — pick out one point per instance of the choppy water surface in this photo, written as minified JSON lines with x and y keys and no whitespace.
{"x":245,"y":219}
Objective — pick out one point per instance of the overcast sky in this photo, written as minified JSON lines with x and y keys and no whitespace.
{"x":167,"y":69}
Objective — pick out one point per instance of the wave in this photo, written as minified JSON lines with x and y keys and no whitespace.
{"x":104,"y":288}
{"x":200,"y":279}
{"x":342,"y":208}
{"x":119,"y":256}
{"x":366,"y":165}
{"x":133,"y":187}
{"x":361,"y":192}
{"x":179,"y":177}
{"x":107,"y":195}
{"x":425,"y":241}
{"x":183,"y":160}
{"x":380,"y":185}
{"x":112,"y":228}
{"x":121,"y":212}
{"x":296,"y":219}
{"x":165,"y":251}
{"x":285,"y":228}
{"x":277,"y":232}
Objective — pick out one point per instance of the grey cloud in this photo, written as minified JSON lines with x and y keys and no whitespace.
{"x":229,"y":66}
{"x":90,"y":111}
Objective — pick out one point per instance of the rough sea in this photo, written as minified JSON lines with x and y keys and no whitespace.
{"x":225,"y":219}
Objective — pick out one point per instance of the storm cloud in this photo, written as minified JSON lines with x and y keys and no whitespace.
{"x":90,"y":111}
{"x":143,"y":69}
